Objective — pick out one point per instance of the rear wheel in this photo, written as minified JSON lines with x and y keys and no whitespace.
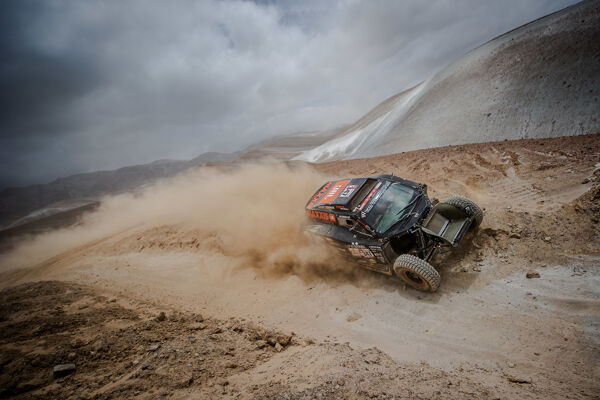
{"x":417,"y":273}
{"x":469,"y":207}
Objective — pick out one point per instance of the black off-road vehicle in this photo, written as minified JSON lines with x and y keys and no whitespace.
{"x":388,"y":224}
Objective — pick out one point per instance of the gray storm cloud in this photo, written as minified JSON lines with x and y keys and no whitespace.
{"x":97,"y":85}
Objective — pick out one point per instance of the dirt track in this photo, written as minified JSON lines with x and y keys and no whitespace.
{"x":487,"y":325}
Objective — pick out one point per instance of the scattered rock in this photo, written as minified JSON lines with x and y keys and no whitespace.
{"x":161,"y":317}
{"x":281,"y":338}
{"x":586,"y":180}
{"x":71,"y":356}
{"x":515,"y":235}
{"x":353,"y":317}
{"x":185,"y":382}
{"x":261,"y":344}
{"x":63,"y":370}
{"x":547,"y":239}
{"x":100,"y":346}
{"x":476,"y":269}
{"x":154,"y":347}
{"x":511,"y":365}
{"x":216,"y":331}
{"x":147,"y":366}
{"x":278,"y":347}
{"x":516,"y":379}
{"x":532,"y":274}
{"x":198,"y":317}
{"x":197,"y":326}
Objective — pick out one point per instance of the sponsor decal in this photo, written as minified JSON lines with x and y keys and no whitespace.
{"x":377,"y":251}
{"x":360,"y":251}
{"x":348,"y":190}
{"x":319,"y":194}
{"x":334,"y":191}
{"x":322,"y":216}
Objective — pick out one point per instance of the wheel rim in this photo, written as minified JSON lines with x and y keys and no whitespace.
{"x":413,"y":278}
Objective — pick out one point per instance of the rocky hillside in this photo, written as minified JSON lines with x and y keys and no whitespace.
{"x":541,"y":80}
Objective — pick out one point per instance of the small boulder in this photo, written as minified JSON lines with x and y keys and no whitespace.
{"x":161,"y":317}
{"x":63,"y":370}
{"x":283,"y":339}
{"x":353,"y":317}
{"x":518,"y":379}
{"x":147,"y":367}
{"x":532,"y":274}
{"x":197,"y":326}
{"x":278,"y":347}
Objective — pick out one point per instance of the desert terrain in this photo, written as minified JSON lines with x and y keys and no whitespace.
{"x":204,"y":286}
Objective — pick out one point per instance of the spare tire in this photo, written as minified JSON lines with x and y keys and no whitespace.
{"x":469,"y":207}
{"x":417,"y":273}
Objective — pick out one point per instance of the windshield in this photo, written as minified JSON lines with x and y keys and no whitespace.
{"x":390,"y":207}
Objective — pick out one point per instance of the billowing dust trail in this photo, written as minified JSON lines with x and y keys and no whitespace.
{"x":244,"y":216}
{"x":226,"y":242}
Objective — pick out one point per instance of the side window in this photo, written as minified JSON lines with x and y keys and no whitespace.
{"x":364,"y":190}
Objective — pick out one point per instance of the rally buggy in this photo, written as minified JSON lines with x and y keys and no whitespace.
{"x":388,"y":224}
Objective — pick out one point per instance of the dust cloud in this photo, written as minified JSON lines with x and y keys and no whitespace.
{"x":246,"y":215}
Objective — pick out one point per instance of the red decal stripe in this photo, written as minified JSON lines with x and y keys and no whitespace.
{"x":334,"y":192}
{"x":369,"y":196}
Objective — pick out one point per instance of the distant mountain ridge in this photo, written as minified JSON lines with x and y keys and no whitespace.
{"x":17,"y":203}
{"x":540,"y":80}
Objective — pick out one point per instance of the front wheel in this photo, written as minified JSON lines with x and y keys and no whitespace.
{"x":417,"y":273}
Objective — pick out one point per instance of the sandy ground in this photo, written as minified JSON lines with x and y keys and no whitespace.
{"x":489,"y":332}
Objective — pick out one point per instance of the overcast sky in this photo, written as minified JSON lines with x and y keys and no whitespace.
{"x":89,"y":85}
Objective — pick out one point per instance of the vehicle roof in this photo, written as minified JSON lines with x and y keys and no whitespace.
{"x":336,"y":193}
